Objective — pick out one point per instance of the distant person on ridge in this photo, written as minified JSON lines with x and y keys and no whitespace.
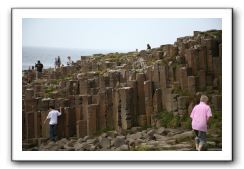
{"x":39,"y":67}
{"x":200,"y":116}
{"x":58,"y":61}
{"x":55,"y":63}
{"x":70,"y":62}
{"x":53,"y":121}
{"x":148,"y":47}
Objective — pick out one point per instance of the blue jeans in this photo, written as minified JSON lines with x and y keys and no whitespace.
{"x":53,"y":131}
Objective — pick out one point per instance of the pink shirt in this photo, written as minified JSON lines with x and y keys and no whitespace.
{"x":200,"y":115}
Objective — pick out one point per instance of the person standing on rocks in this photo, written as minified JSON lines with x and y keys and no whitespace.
{"x":53,"y":121}
{"x":148,"y":47}
{"x":200,"y":116}
{"x":39,"y":67}
{"x":70,"y":62}
{"x":58,"y":61}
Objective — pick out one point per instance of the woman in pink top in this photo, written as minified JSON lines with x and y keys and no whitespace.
{"x":200,"y":115}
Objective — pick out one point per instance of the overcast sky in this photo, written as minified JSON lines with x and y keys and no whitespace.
{"x":110,"y":34}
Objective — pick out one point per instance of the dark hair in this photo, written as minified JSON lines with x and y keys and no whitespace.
{"x":51,"y":107}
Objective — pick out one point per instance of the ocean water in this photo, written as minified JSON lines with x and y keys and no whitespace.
{"x":30,"y":55}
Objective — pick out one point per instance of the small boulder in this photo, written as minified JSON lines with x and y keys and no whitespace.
{"x":161,"y":131}
{"x":119,"y":141}
{"x":151,"y":133}
{"x":135,"y":136}
{"x":136,"y":129}
{"x":183,"y":136}
{"x":112,"y":134}
{"x":105,"y":143}
{"x":124,"y":147}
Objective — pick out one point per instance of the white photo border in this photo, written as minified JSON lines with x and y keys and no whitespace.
{"x":227,"y":137}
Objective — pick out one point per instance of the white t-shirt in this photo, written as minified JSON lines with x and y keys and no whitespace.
{"x":53,"y":116}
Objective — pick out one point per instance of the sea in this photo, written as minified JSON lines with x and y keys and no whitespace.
{"x":30,"y":55}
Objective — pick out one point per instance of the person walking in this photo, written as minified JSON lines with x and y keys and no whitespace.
{"x":200,"y":116}
{"x":53,"y":121}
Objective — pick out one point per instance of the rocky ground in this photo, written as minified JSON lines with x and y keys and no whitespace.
{"x":135,"y":139}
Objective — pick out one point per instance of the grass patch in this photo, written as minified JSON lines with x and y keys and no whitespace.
{"x":169,"y":120}
{"x":215,"y":122}
{"x":100,"y":131}
{"x":186,"y":121}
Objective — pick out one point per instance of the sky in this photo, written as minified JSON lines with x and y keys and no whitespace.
{"x":110,"y":34}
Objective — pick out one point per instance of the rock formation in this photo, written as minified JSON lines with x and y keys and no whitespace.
{"x":124,"y":90}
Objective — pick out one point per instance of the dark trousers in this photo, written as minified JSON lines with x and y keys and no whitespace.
{"x":53,"y":131}
{"x":200,"y":137}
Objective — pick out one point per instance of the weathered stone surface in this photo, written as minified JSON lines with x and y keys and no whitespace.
{"x":170,"y":100}
{"x":149,"y":73}
{"x":81,"y":128}
{"x":183,"y":79}
{"x":67,"y":123}
{"x":163,"y":77}
{"x":83,"y":87}
{"x":203,"y":58}
{"x":217,"y":102}
{"x":91,"y":119}
{"x":161,"y":131}
{"x":79,"y":112}
{"x":29,"y":119}
{"x":116,"y":110}
{"x":202,"y":79}
{"x":140,"y":77}
{"x":192,"y":60}
{"x":109,"y":107}
{"x":156,"y":75}
{"x":157,"y":101}
{"x":184,"y":136}
{"x":148,"y":89}
{"x":29,"y":94}
{"x":105,"y":143}
{"x":136,"y":129}
{"x":209,"y":79}
{"x":135,"y":136}
{"x":220,"y":51}
{"x":126,"y":94}
{"x":133,"y":85}
{"x":217,"y":66}
{"x":212,"y":46}
{"x":142,"y":120}
{"x":119,"y":141}
{"x":72,"y":87}
{"x":192,"y":84}
{"x":124,"y":147}
{"x":101,"y":116}
{"x":30,"y":105}
{"x":151,"y":133}
{"x":43,"y":104}
{"x":177,"y":74}
{"x":183,"y":102}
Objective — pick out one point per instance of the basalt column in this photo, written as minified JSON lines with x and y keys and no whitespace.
{"x":126,"y":94}
{"x":148,"y":89}
{"x":140,"y":77}
{"x":91,"y":119}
